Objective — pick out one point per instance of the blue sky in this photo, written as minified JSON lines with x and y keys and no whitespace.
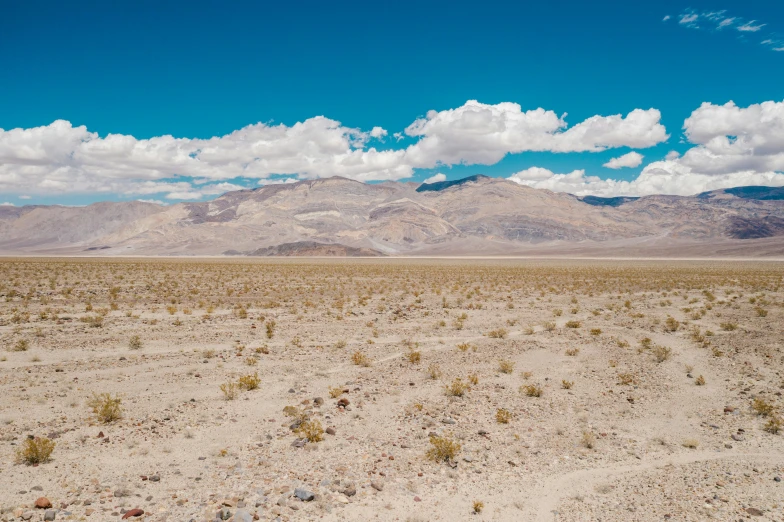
{"x":204,"y":69}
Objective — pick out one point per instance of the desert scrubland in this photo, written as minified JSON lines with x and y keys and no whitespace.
{"x":541,"y":390}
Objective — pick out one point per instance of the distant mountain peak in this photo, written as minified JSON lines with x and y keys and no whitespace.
{"x":443,"y":185}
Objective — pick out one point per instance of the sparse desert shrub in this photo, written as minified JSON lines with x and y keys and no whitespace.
{"x":549,"y":326}
{"x":249,"y":382}
{"x":105,"y":407}
{"x":311,"y":430}
{"x":761,"y":312}
{"x":360,"y":359}
{"x":588,"y":440}
{"x":646,"y":342}
{"x":270,"y":328}
{"x":627,"y":379}
{"x":463,"y":346}
{"x":339,"y":345}
{"x":498,"y":333}
{"x":414,"y":357}
{"x":22,"y":345}
{"x":434,"y":371}
{"x":230,"y":390}
{"x":335,"y":392}
{"x":208,"y":353}
{"x":478,"y":506}
{"x":596,"y":331}
{"x":532,"y":390}
{"x":503,"y":416}
{"x":728,"y":327}
{"x":572,"y":352}
{"x":773,"y":425}
{"x":457,"y":388}
{"x":528,"y":330}
{"x":251,"y":360}
{"x":558,"y":312}
{"x":700,"y":381}
{"x":35,"y":451}
{"x":671,"y":324}
{"x":661,"y":353}
{"x":762,"y":407}
{"x":567,"y":385}
{"x":573,"y":324}
{"x":442,"y":449}
{"x":135,"y":342}
{"x":473,"y":379}
{"x":505,"y":366}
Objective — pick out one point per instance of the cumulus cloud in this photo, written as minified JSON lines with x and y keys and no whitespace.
{"x":632,"y":159}
{"x":60,"y":157}
{"x":7,"y":204}
{"x":477,"y":133}
{"x":733,"y":146}
{"x":673,"y":154}
{"x":435,"y":178}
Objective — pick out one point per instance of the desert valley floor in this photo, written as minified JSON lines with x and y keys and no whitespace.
{"x":392,"y":389}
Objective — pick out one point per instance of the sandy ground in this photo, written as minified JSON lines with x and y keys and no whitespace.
{"x":633,"y":438}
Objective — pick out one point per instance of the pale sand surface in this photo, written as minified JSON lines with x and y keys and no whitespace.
{"x":614,"y":447}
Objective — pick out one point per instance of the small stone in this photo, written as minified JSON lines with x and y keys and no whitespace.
{"x":304,"y":495}
{"x":242,"y":516}
{"x":417,"y":499}
{"x":330,"y":431}
{"x":155,"y":478}
{"x":737,"y":437}
{"x":377,"y":485}
{"x":50,"y":515}
{"x":318,"y":401}
{"x":37,"y":488}
{"x":754,"y":512}
{"x":42,"y":503}
{"x":728,"y":409}
{"x":133,"y":513}
{"x":342,"y":499}
{"x":449,"y":420}
{"x":777,"y":479}
{"x":100,"y":435}
{"x":349,"y":491}
{"x":343,"y":402}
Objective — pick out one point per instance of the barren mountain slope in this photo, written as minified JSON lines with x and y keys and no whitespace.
{"x":475,"y":216}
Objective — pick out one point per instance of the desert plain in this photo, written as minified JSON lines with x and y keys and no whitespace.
{"x":391,"y":389}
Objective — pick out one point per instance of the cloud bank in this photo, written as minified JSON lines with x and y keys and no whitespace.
{"x":733,"y":146}
{"x":730,"y":146}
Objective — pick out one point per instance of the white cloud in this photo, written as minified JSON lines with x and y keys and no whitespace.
{"x":60,"y":158}
{"x":24,"y":197}
{"x":726,"y":23}
{"x":378,"y":132}
{"x":7,"y":204}
{"x":477,"y":133}
{"x":155,"y":201}
{"x":673,"y":154}
{"x":666,"y":18}
{"x":435,"y":178}
{"x":750,"y":27}
{"x":733,"y":146}
{"x":688,"y":18}
{"x":632,"y":159}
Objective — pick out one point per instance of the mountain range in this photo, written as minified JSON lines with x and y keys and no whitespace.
{"x":478,"y":215}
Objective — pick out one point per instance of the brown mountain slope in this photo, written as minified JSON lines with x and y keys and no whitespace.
{"x":477,"y":216}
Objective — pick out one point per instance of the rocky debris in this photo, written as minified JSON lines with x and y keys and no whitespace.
{"x":42,"y":503}
{"x":754,"y":512}
{"x":50,"y":515}
{"x":377,"y":485}
{"x":136,"y":512}
{"x":304,"y":495}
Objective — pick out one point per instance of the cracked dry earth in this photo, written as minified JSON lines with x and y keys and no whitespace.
{"x":659,"y":389}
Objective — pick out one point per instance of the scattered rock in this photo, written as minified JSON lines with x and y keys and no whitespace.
{"x":242,"y":516}
{"x":155,"y":478}
{"x":754,"y":512}
{"x":133,"y":513}
{"x":349,"y":491}
{"x":343,"y":402}
{"x":42,"y":503}
{"x":377,"y":485}
{"x":224,"y":514}
{"x":304,"y":495}
{"x":330,"y":431}
{"x":50,"y":515}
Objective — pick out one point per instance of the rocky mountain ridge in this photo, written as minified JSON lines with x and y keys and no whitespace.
{"x":478,"y":215}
